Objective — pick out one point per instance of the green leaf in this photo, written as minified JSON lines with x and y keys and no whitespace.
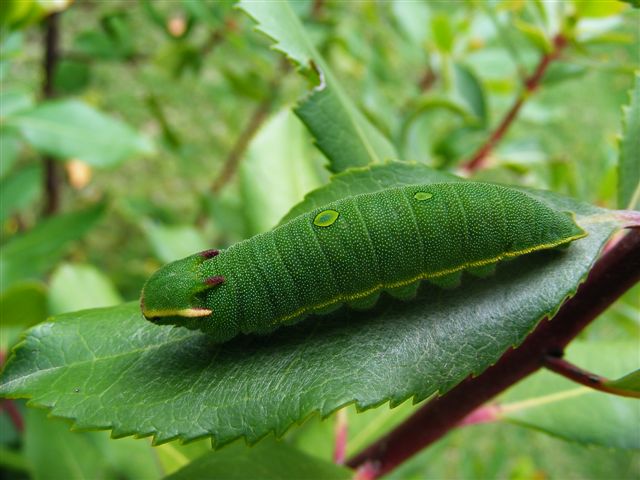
{"x":24,"y":304}
{"x":71,"y":129}
{"x":211,"y":14}
{"x":560,"y":407}
{"x":598,"y":9}
{"x":13,"y":461}
{"x":633,"y":3}
{"x":341,"y":131}
{"x":369,"y":179}
{"x":269,"y":460}
{"x":470,"y":90}
{"x":534,"y":34}
{"x":279,"y":159}
{"x":173,"y":456}
{"x":256,"y":385}
{"x":17,"y":14}
{"x":630,"y":382}
{"x":431,"y":119}
{"x":506,"y":451}
{"x":561,"y":71}
{"x":443,"y":33}
{"x":9,"y":148}
{"x":169,"y":135}
{"x":112,"y":42}
{"x":13,"y":101}
{"x":412,"y":18}
{"x":11,"y":44}
{"x":33,"y":253}
{"x":227,"y":216}
{"x":56,"y":453}
{"x":629,"y":162}
{"x":171,"y":242}
{"x":96,"y":44}
{"x":75,"y":287}
{"x":19,"y":190}
{"x":71,"y":76}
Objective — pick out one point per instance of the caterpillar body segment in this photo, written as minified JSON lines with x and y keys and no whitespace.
{"x":350,"y":251}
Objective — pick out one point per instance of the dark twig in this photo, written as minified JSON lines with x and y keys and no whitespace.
{"x":612,"y":275}
{"x":51,"y":53}
{"x":427,"y":80}
{"x":260,"y":114}
{"x":51,"y":57}
{"x":317,"y":8}
{"x":531,"y":84}
{"x":578,"y":375}
{"x":232,"y":161}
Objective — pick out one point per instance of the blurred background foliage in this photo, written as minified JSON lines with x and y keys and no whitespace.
{"x":158,"y":129}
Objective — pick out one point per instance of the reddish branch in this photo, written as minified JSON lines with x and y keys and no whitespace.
{"x":10,"y":406}
{"x":341,"y":431}
{"x":531,"y":84}
{"x":232,"y":161}
{"x":14,"y":414}
{"x":51,"y":57}
{"x":427,"y":80}
{"x":616,"y":272}
{"x":317,"y":8}
{"x":584,"y":377}
{"x":260,"y":114}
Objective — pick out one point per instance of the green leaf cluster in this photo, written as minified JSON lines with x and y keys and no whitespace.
{"x":390,"y":94}
{"x":315,"y":367}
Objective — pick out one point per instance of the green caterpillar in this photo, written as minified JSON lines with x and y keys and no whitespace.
{"x":351,"y":250}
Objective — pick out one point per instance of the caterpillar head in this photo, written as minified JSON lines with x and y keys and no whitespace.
{"x":173,"y":291}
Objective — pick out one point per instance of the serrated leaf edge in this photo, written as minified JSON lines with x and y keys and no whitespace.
{"x":318,"y":65}
{"x":625,"y":121}
{"x":217,"y":443}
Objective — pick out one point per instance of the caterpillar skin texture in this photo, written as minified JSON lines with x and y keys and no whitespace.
{"x":351,"y":250}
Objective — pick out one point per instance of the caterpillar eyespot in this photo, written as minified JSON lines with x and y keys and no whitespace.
{"x":421,"y":196}
{"x":326,"y":218}
{"x":351,"y":250}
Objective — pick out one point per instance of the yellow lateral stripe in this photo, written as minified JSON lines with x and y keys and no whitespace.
{"x":425,"y":276}
{"x":185,"y":312}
